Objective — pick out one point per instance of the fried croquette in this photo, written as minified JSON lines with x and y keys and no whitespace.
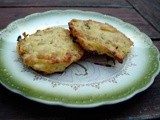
{"x":100,"y":37}
{"x":48,"y":51}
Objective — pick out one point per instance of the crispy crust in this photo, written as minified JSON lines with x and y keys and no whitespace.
{"x":48,"y":51}
{"x":101,"y":38}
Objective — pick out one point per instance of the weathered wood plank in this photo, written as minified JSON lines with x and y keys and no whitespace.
{"x":89,"y":3}
{"x":8,"y":15}
{"x":157,"y":44}
{"x":149,"y":9}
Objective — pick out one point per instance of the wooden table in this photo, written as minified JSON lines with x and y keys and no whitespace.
{"x":145,"y":14}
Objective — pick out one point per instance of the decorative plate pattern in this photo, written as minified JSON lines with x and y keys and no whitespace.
{"x":91,"y":82}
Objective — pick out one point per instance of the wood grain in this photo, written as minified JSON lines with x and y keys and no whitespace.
{"x":7,"y":15}
{"x":149,"y":9}
{"x":68,"y":3}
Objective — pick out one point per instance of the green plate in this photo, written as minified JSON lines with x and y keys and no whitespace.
{"x":83,"y":84}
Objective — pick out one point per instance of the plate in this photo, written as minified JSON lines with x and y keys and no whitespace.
{"x":83,"y":84}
